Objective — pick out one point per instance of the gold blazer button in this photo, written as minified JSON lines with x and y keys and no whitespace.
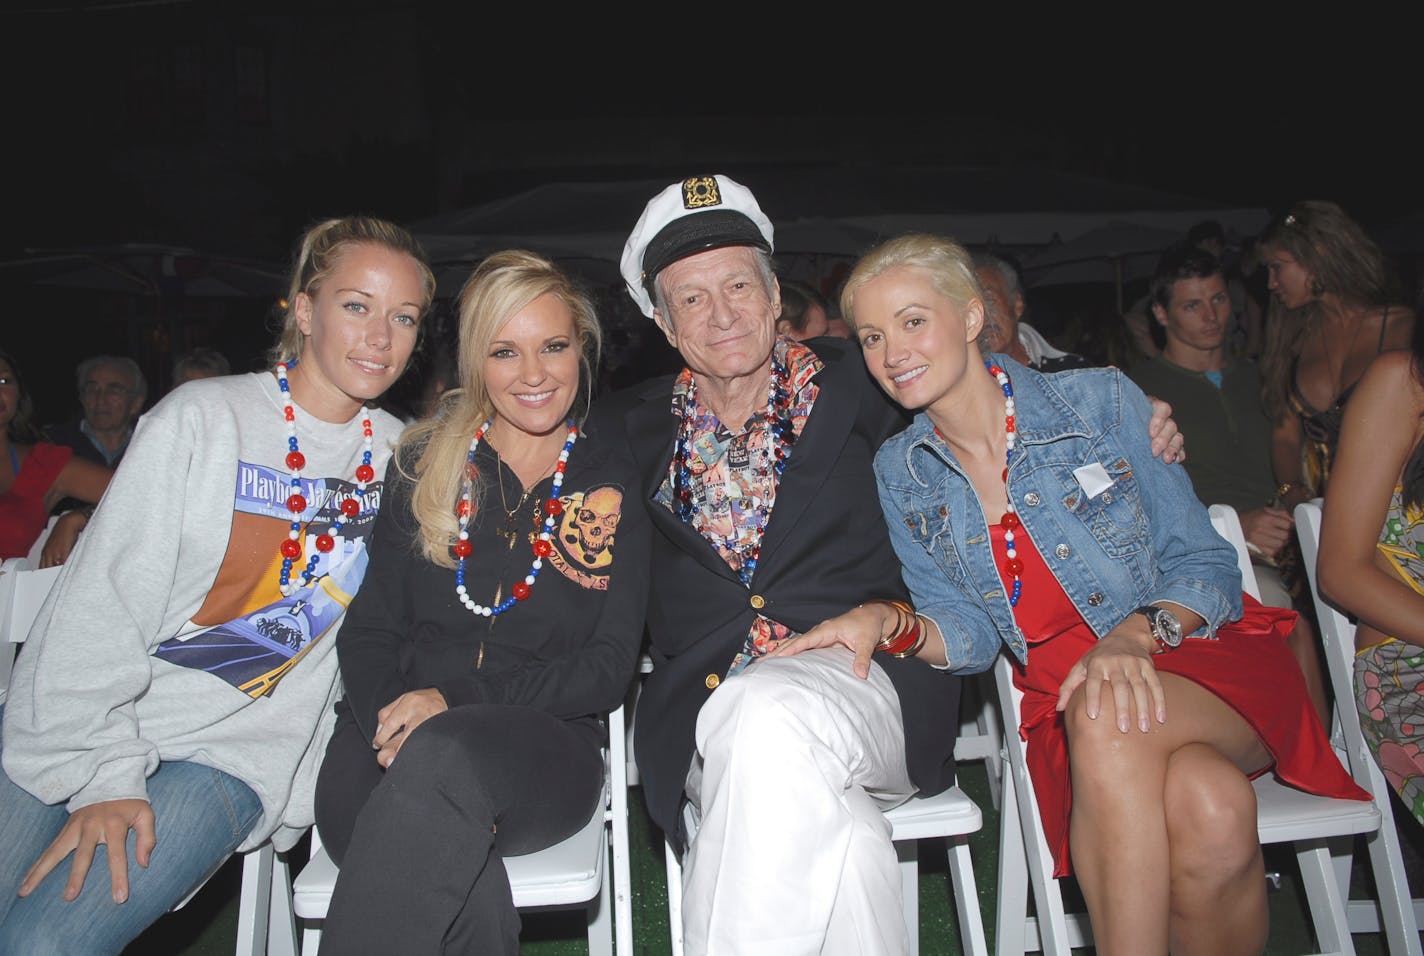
{"x":758,"y":601}
{"x":712,"y":681}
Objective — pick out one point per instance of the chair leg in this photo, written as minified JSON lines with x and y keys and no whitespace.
{"x":966,"y":897}
{"x":1324,"y":896}
{"x":282,"y":920}
{"x":600,"y":914}
{"x":1009,"y":927}
{"x":907,"y":851}
{"x":255,"y":901}
{"x":674,"y":894}
{"x":1397,"y":910}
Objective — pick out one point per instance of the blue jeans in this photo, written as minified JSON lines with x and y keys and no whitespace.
{"x":201,"y":815}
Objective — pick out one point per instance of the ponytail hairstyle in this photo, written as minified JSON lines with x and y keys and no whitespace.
{"x":317,"y":256}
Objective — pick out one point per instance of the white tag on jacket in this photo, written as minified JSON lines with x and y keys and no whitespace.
{"x":1093,"y":479}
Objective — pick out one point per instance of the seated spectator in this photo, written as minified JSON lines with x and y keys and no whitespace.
{"x":171,"y":702}
{"x":1372,"y":559}
{"x":805,"y":313}
{"x":1217,"y":401}
{"x":200,"y":362}
{"x":1153,"y":688}
{"x":468,"y":732}
{"x":34,"y":475}
{"x":1004,"y":328}
{"x":112,"y":391}
{"x":1247,"y":326}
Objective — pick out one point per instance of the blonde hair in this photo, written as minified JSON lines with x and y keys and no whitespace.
{"x":318,"y":255}
{"x":950,"y":266}
{"x":434,"y":449}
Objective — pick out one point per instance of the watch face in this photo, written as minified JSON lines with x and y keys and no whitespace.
{"x":1167,"y":628}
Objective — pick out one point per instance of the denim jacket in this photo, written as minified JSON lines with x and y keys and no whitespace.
{"x":1141,"y":538}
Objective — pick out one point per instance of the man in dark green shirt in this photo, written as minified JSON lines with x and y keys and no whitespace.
{"x":1216,"y":401}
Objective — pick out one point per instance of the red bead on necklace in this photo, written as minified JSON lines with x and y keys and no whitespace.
{"x":465,"y":509}
{"x":350,"y":507}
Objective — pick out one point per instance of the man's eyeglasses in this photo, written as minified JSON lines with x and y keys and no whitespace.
{"x":95,"y":390}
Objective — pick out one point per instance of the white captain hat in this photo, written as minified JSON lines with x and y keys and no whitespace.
{"x":688,"y":217}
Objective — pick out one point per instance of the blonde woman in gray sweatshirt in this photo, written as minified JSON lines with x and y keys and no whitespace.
{"x":174,"y":697}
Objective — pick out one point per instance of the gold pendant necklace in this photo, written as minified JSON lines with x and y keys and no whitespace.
{"x":509,"y":532}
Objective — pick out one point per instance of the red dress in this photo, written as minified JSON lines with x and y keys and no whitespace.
{"x":23,"y":514}
{"x":1247,"y":665}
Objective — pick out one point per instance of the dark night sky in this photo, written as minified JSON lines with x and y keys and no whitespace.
{"x":125,"y":121}
{"x":364,"y":102}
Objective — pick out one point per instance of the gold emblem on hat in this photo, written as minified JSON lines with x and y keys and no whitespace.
{"x":700,"y":192}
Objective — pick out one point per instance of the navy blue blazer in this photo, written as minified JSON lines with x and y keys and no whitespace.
{"x":825,"y":550}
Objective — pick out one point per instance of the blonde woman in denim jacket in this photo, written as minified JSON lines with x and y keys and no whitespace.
{"x":1141,"y":743}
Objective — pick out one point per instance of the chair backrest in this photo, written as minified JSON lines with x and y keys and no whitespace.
{"x":1337,"y":633}
{"x":39,"y":544}
{"x":23,"y":589}
{"x":1228,"y":524}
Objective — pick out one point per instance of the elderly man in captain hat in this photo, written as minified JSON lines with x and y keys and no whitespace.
{"x":756,"y":466}
{"x":771,"y":772}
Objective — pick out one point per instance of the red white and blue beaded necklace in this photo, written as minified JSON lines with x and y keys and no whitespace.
{"x":465,"y":509}
{"x":783,"y":436}
{"x":1010,"y":521}
{"x":350,"y":507}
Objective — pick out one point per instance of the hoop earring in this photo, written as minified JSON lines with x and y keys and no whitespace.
{"x":1317,"y":288}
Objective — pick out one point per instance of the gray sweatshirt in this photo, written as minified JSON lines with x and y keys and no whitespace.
{"x":166,"y":636}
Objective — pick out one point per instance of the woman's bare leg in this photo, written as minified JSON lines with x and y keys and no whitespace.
{"x":1119,"y":831}
{"x":1218,"y":890}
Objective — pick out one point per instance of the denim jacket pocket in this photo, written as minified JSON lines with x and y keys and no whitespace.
{"x":1115,"y":517}
{"x":931,"y":528}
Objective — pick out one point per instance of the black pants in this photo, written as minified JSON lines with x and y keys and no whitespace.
{"x":421,"y":845}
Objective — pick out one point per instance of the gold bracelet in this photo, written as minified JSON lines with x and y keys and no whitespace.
{"x":901,"y":627}
{"x":920,"y":632}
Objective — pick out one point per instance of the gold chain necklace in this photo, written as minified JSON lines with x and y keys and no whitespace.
{"x":509,"y":532}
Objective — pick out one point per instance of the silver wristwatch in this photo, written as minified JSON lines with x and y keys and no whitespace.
{"x":1165,"y":626}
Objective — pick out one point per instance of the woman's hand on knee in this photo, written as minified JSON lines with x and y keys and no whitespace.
{"x":1123,"y":662}
{"x":107,"y":824}
{"x":859,"y":629}
{"x":396,"y":720}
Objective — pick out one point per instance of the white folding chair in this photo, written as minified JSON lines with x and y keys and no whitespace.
{"x":23,"y":588}
{"x":981,"y":731}
{"x":39,"y":544}
{"x":951,"y":814}
{"x":1399,"y":914}
{"x":1314,"y":825}
{"x":265,"y":923}
{"x":574,"y":873}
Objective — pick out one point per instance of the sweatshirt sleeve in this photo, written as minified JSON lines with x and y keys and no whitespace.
{"x":70,"y":729}
{"x":369,"y":644}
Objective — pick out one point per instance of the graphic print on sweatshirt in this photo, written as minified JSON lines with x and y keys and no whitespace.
{"x":246,"y":632}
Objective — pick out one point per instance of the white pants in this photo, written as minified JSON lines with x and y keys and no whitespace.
{"x":796,"y":760}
